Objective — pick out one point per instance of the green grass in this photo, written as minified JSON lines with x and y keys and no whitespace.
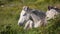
{"x":9,"y":16}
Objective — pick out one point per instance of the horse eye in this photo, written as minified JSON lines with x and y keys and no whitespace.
{"x":24,"y":14}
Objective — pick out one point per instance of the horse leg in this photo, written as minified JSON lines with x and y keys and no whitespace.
{"x":28,"y":24}
{"x":43,"y":22}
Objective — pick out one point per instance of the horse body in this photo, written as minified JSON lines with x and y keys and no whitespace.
{"x":38,"y":17}
{"x":52,"y":12}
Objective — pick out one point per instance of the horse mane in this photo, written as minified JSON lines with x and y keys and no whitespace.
{"x":39,"y":13}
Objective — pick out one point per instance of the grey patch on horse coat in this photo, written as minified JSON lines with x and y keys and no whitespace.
{"x":31,"y":18}
{"x":36,"y":12}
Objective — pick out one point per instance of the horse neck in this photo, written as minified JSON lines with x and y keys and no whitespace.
{"x":35,"y":18}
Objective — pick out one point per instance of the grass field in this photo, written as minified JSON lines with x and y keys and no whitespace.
{"x":10,"y":11}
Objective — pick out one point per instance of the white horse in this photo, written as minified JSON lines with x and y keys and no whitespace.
{"x":52,"y":12}
{"x":34,"y":18}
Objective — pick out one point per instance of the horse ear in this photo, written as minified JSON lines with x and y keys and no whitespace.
{"x":50,"y":7}
{"x":25,"y":8}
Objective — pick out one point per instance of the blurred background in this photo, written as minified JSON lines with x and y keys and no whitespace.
{"x":10,"y":12}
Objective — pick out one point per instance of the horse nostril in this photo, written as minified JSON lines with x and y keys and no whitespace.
{"x":20,"y":24}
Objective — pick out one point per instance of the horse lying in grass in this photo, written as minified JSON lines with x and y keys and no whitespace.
{"x":32,"y":18}
{"x":35,"y":18}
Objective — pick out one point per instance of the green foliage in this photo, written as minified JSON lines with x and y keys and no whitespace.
{"x":10,"y":11}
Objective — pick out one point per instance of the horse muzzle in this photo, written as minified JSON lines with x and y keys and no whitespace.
{"x":20,"y":24}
